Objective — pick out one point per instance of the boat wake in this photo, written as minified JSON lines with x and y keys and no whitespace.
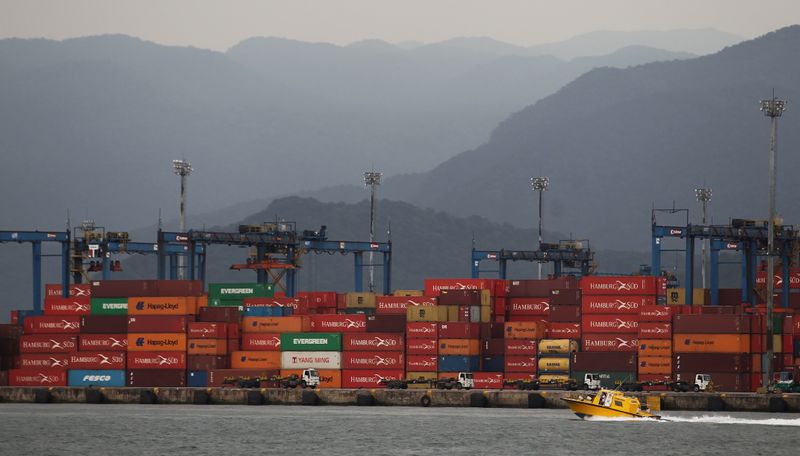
{"x":707,"y":419}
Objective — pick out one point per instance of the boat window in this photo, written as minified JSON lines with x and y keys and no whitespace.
{"x":618,"y":403}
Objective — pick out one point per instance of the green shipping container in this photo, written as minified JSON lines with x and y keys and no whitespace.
{"x":228,"y":291}
{"x":777,"y":323}
{"x":109,"y":306}
{"x":607,"y":379}
{"x":356,"y":311}
{"x":311,"y":342}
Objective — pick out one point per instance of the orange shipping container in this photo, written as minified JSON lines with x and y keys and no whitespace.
{"x":274,"y":324}
{"x":177,"y":305}
{"x":655,"y":347}
{"x":156,"y":342}
{"x":711,"y":343}
{"x":208,"y":346}
{"x":328,"y":378}
{"x":255,"y":360}
{"x":655,"y":365}
{"x":524,"y":330}
{"x":462,"y":347}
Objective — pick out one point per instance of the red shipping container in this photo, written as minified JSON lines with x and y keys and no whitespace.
{"x":460,"y":298}
{"x":55,"y":343}
{"x":796,"y":326}
{"x":219,"y":314}
{"x":124,"y":288}
{"x":562,"y":314}
{"x":14,"y":319}
{"x":97,"y":360}
{"x":520,"y":347}
{"x":492,"y":330}
{"x":655,"y":330}
{"x":338,"y":323}
{"x":79,"y":290}
{"x":233,"y":330}
{"x":617,"y":324}
{"x":513,"y":318}
{"x":373,"y":360}
{"x":369,"y":378}
{"x":494,"y":347}
{"x":459,"y":330}
{"x":522,"y":364}
{"x":398,"y":305}
{"x":794,"y":279}
{"x":204,"y":330}
{"x":37,"y":377}
{"x":569,"y":297}
{"x":159,"y":323}
{"x":42,"y":361}
{"x":540,"y":288}
{"x":318,"y":299}
{"x":500,"y":308}
{"x":422,"y":330}
{"x":528,"y":306}
{"x":373,"y":342}
{"x":58,"y":305}
{"x":610,"y":342}
{"x":433,"y":287}
{"x":564,"y":330}
{"x":422,"y":347}
{"x":386,"y":323}
{"x":156,"y":360}
{"x":261,"y":341}
{"x":104,"y":324}
{"x":422,"y":363}
{"x":206,"y":362}
{"x":157,"y":378}
{"x":657,"y":313}
{"x":233,"y":345}
{"x":712,"y":324}
{"x":618,"y":285}
{"x":613,"y":304}
{"x":179,"y":287}
{"x":487,"y":380}
{"x":103,"y":342}
{"x":500,"y":288}
{"x":52,"y":325}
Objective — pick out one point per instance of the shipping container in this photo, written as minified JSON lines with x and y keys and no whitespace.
{"x":231,"y":377}
{"x":460,"y":297}
{"x":459,"y":363}
{"x":96,"y":378}
{"x":398,"y":305}
{"x":566,"y":297}
{"x":52,"y":325}
{"x":677,"y":296}
{"x":610,"y":342}
{"x":488,"y":380}
{"x":521,"y":347}
{"x":618,"y":285}
{"x":369,"y":378}
{"x":496,"y":363}
{"x":311,"y":342}
{"x":233,"y":291}
{"x":359,"y":300}
{"x":337,"y":323}
{"x":655,"y":330}
{"x":42,"y":361}
{"x":711,"y":324}
{"x":608,"y":378}
{"x":157,"y":324}
{"x":328,"y":378}
{"x":422,"y":363}
{"x":407,"y":293}
{"x":539,"y":288}
{"x":616,"y":304}
{"x":75,"y":290}
{"x":261,"y":342}
{"x":373,"y":342}
{"x":197,"y":379}
{"x":103,"y":342}
{"x":427,"y":314}
{"x":203,"y":330}
{"x":156,"y":360}
{"x":273,"y":324}
{"x":656,"y":313}
{"x":173,"y":305}
{"x":459,"y":330}
{"x":373,"y":360}
{"x":50,"y":343}
{"x":422,"y":330}
{"x":157,"y":378}
{"x":528,"y":306}
{"x":617,"y":324}
{"x":104,"y":324}
{"x":655,"y":365}
{"x":385,"y":323}
{"x":37,"y":377}
{"x":563,"y":330}
{"x":255,"y":360}
{"x":206,"y":362}
{"x":156,"y":342}
{"x":421,"y":346}
{"x":655,"y":347}
{"x":723,"y":381}
{"x":562,"y":314}
{"x":219,"y":314}
{"x":123,"y":288}
{"x":553,"y":364}
{"x":524,"y":330}
{"x":711,"y":343}
{"x":558,"y":346}
{"x":712,"y":362}
{"x":460,"y":347}
{"x":58,"y":305}
{"x":310,"y":359}
{"x":207,"y":347}
{"x":521,"y":364}
{"x":434,"y":287}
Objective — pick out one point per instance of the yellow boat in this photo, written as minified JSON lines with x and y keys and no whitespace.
{"x":608,"y":403}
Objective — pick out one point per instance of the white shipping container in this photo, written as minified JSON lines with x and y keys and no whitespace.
{"x":311,"y":359}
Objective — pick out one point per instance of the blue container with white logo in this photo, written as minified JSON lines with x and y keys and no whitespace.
{"x":197,"y":379}
{"x":98,"y":378}
{"x":459,"y":363}
{"x":263,"y":312}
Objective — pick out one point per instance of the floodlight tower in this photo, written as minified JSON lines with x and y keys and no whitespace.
{"x":540,"y":184}
{"x":182,"y":168}
{"x":703,"y":195}
{"x":772,"y":108}
{"x":372,"y":179}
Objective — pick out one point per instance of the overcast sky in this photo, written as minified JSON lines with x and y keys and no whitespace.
{"x":221,"y":24}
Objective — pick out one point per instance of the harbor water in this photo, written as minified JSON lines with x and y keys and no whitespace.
{"x":70,"y":429}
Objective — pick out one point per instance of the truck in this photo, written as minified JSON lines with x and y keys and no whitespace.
{"x":463,"y":381}
{"x":589,"y":381}
{"x":309,"y":378}
{"x":701,"y":382}
{"x":786,"y":381}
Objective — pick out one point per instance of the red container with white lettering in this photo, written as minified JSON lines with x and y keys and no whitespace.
{"x":373,"y":360}
{"x":338,"y":323}
{"x":103,"y":342}
{"x":42,"y":361}
{"x":619,"y":285}
{"x":419,"y":346}
{"x":655,"y":330}
{"x":615,"y":304}
{"x":521,"y":364}
{"x":261,"y":341}
{"x":398,"y":305}
{"x":317,"y":299}
{"x":369,"y":378}
{"x":52,"y":325}
{"x":528,"y":306}
{"x":157,"y":360}
{"x":519,"y":347}
{"x":434,"y":287}
{"x":37,"y":377}
{"x":204,"y":330}
{"x":563,"y":330}
{"x":422,"y":363}
{"x":59,"y":305}
{"x":79,"y":290}
{"x":373,"y":342}
{"x":610,"y":342}
{"x":487,"y":380}
{"x":657,"y":313}
{"x":52,"y":343}
{"x":422,"y":330}
{"x":97,"y":360}
{"x":610,"y":324}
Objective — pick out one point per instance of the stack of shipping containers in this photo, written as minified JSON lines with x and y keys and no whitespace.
{"x":655,"y":343}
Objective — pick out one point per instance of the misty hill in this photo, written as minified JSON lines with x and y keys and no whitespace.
{"x":617,"y":141}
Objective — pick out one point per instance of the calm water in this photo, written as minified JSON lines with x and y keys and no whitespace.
{"x":68,"y":429}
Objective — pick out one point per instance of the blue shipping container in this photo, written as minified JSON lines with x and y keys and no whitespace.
{"x":197,"y":379}
{"x":493,"y":364}
{"x":111,"y":378}
{"x":459,"y":363}
{"x":264,"y":312}
{"x":796,"y":348}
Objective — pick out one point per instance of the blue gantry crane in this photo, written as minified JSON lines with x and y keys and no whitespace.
{"x":570,"y":254}
{"x":36,"y":239}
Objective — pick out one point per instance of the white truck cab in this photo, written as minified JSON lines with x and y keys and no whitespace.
{"x":591,"y":381}
{"x":701,"y":382}
{"x":310,"y":378}
{"x":465,"y":380}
